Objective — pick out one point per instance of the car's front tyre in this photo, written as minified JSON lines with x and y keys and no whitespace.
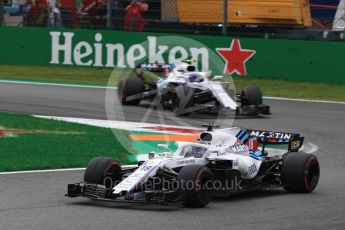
{"x":103,"y":171}
{"x":195,"y":182}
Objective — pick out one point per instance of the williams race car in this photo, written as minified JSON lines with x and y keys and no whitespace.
{"x":220,"y":163}
{"x":182,"y":89}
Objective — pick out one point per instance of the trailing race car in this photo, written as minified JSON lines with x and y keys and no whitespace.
{"x":220,"y":163}
{"x":183,"y":90}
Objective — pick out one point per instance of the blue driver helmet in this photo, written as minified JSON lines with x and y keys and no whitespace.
{"x":195,"y":77}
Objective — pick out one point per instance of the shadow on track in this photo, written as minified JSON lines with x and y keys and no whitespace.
{"x":236,"y":197}
{"x":248,"y":195}
{"x":129,"y":206}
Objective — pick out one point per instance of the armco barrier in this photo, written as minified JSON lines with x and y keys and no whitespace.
{"x":309,"y":61}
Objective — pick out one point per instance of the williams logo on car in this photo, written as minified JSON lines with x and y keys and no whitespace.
{"x":186,"y":162}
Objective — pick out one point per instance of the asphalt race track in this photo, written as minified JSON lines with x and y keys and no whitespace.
{"x":36,"y":200}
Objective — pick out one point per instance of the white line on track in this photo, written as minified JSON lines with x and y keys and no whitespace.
{"x":54,"y":170}
{"x":303,"y":100}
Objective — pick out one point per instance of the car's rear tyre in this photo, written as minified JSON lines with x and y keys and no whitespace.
{"x":300,"y":172}
{"x":195,"y":180}
{"x":103,"y":171}
{"x":183,"y":100}
{"x":130,"y":86}
{"x":251,"y":95}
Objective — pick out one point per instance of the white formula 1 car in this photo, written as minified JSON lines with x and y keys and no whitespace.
{"x":183,"y":90}
{"x":221,"y":162}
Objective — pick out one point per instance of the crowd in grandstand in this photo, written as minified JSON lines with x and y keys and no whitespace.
{"x":84,"y":13}
{"x":178,"y":15}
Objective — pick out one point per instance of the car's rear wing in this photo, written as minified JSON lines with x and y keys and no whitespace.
{"x":294,"y":140}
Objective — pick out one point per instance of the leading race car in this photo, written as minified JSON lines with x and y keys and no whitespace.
{"x":220,"y":163}
{"x":182,"y":89}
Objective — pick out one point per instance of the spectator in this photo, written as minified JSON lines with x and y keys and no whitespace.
{"x":87,"y":12}
{"x":38,"y":14}
{"x":94,"y":13}
{"x":100,"y":19}
{"x":68,"y":9}
{"x":134,"y":16}
{"x":27,"y":6}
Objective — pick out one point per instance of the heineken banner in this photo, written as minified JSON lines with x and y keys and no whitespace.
{"x":310,"y":61}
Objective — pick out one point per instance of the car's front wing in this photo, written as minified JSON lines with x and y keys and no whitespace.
{"x":100,"y":193}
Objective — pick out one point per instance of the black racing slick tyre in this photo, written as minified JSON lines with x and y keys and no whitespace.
{"x":130,"y":86}
{"x":183,"y":100}
{"x":300,"y":172}
{"x":194,"y":181}
{"x":251,"y":95}
{"x":103,"y":171}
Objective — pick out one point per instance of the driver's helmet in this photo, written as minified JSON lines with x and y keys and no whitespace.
{"x":195,"y":77}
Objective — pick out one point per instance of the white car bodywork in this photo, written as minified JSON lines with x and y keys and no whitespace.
{"x":180,"y":74}
{"x":223,"y":146}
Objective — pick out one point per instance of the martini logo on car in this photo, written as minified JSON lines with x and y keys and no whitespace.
{"x":270,"y":134}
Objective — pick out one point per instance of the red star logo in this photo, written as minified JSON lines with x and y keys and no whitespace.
{"x":235,"y":58}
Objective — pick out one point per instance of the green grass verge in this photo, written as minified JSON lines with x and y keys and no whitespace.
{"x":100,"y":76}
{"x":73,"y":146}
{"x":75,"y":75}
{"x":302,"y":90}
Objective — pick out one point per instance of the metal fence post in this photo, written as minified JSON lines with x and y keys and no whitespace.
{"x":110,"y":7}
{"x":225,"y":14}
{"x":2,"y":13}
